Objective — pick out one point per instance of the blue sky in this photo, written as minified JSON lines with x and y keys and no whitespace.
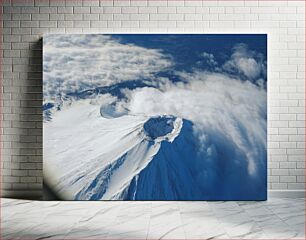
{"x":186,"y":49}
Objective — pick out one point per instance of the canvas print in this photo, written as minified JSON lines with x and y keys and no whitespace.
{"x":155,"y":116}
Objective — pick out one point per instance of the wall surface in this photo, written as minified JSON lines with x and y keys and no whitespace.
{"x":25,"y":22}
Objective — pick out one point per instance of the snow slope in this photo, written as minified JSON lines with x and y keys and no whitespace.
{"x":139,"y":158}
{"x":95,"y":157}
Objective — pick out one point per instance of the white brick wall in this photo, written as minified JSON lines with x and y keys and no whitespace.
{"x":24,"y":22}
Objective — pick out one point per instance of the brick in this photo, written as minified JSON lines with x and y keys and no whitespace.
{"x":129,"y":10}
{"x":20,"y":46}
{"x":49,"y":10}
{"x":105,"y":17}
{"x":222,"y":24}
{"x":62,"y":10}
{"x":121,"y":17}
{"x":26,"y":16}
{"x":189,"y":10}
{"x":30,"y":10}
{"x":273,"y":165}
{"x":147,"y":9}
{"x":167,"y":24}
{"x":11,"y":53}
{"x":176,"y":17}
{"x":140,"y":17}
{"x":48,"y":23}
{"x":11,"y":9}
{"x":148,"y":24}
{"x":29,"y":24}
{"x":273,"y":145}
{"x":40,"y":3}
{"x":277,"y":186}
{"x":166,"y":10}
{"x":28,"y":179}
{"x":300,"y":165}
{"x":195,"y":3}
{"x":21,"y":31}
{"x":216,"y":10}
{"x":295,"y":151}
{"x":91,"y":3}
{"x":273,"y":179}
{"x":245,"y":10}
{"x":73,"y":17}
{"x":288,"y":179}
{"x":112,"y":10}
{"x":57,"y":17}
{"x":138,"y":3}
{"x":7,"y":16}
{"x":74,"y":3}
{"x":261,"y":10}
{"x":287,"y":165}
{"x":280,"y":124}
{"x":11,"y":24}
{"x":19,"y":173}
{"x":122,"y":3}
{"x":91,"y":17}
{"x":42,"y":16}
{"x":25,"y":3}
{"x":193,"y":17}
{"x":96,"y":10}
{"x":230,"y":3}
{"x":210,"y":17}
{"x":300,"y":179}
{"x":81,"y":9}
{"x":280,"y":172}
{"x":130,"y":24}
{"x":297,"y":172}
{"x":20,"y":186}
{"x":287,"y":145}
{"x":296,"y":186}
{"x":39,"y":31}
{"x":10,"y":179}
{"x":185,"y":24}
{"x":158,"y":17}
{"x":294,"y":124}
{"x":228,"y":17}
{"x":82,"y":24}
{"x":286,"y":9}
{"x":158,"y":3}
{"x":6,"y":172}
{"x":60,"y":3}
{"x":98,"y":24}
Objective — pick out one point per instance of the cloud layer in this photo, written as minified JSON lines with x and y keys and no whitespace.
{"x":220,"y":107}
{"x":247,"y":62}
{"x":74,"y":63}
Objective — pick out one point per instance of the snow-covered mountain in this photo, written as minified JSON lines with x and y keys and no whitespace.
{"x":110,"y":153}
{"x":134,"y":158}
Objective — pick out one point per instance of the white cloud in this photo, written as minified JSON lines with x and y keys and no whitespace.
{"x":232,"y":111}
{"x":209,"y":58}
{"x":243,"y":60}
{"x":78,"y":62}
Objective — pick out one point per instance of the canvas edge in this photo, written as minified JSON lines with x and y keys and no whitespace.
{"x":38,"y":194}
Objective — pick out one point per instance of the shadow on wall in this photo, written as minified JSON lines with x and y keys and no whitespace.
{"x":31,"y":121}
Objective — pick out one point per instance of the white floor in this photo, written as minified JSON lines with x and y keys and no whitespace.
{"x":274,"y":219}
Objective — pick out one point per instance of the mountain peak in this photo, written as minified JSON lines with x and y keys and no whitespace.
{"x":162,"y":127}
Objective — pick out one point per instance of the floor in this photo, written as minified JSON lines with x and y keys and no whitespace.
{"x":273,"y":219}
